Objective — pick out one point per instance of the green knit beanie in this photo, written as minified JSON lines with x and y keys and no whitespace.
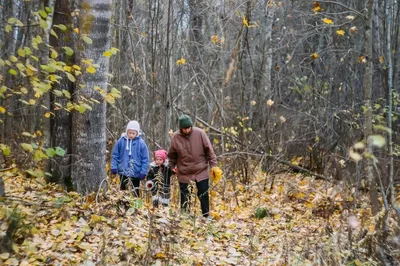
{"x":185,"y":121}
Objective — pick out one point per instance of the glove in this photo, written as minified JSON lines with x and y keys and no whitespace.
{"x":114,"y":171}
{"x":142,"y":176}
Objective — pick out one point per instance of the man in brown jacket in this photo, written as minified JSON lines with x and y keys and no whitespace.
{"x":191,"y":152}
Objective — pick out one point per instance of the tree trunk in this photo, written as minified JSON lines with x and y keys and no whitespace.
{"x":167,"y":101}
{"x":389,"y":55}
{"x":89,"y":128}
{"x":60,"y":128}
{"x":196,"y":9}
{"x":2,"y":191}
{"x":368,"y":104}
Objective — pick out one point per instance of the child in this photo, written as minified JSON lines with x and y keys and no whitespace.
{"x":159,"y":179}
{"x":130,"y":157}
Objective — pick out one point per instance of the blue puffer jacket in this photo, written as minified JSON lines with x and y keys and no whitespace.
{"x":130,"y":157}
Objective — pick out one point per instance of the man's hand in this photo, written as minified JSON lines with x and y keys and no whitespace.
{"x":175,"y":170}
{"x":114,"y":171}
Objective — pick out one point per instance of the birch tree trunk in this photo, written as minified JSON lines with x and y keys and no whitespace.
{"x":89,"y":128}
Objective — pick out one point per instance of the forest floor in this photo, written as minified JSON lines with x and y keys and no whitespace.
{"x":307,"y":222}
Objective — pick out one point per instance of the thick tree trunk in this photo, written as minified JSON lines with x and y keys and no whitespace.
{"x":60,"y":128}
{"x":89,"y":128}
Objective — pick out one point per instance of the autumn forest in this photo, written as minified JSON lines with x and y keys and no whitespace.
{"x":299,"y":98}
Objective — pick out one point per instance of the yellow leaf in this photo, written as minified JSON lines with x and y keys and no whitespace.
{"x":316,"y":7}
{"x":2,"y":110}
{"x":76,"y":30}
{"x":340,"y":32}
{"x":214,"y":38}
{"x":314,"y":56}
{"x":13,"y":59}
{"x":12,"y":72}
{"x":327,"y":21}
{"x":160,"y":255}
{"x":95,"y":218}
{"x":296,"y":160}
{"x":91,"y":70}
{"x":281,"y":189}
{"x":350,"y":17}
{"x":214,"y":215}
{"x":47,"y":114}
{"x":53,"y":77}
{"x":181,"y":61}
{"x":282,"y":119}
{"x":39,"y":133}
{"x":21,"y":52}
{"x":32,"y":101}
{"x":245,"y":21}
{"x":53,"y":54}
{"x":8,"y":28}
{"x":107,"y":53}
{"x":213,"y":193}
{"x":109,"y":98}
{"x":381,"y":59}
{"x":37,"y":94}
{"x":270,"y":102}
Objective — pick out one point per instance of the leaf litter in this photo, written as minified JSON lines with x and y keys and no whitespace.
{"x":303,"y":219}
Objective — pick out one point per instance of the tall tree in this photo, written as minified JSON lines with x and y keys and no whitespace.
{"x":89,"y":127}
{"x":368,"y":79}
{"x":60,"y":128}
{"x":390,"y":90}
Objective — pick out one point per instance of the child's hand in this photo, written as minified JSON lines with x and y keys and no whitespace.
{"x":175,"y":170}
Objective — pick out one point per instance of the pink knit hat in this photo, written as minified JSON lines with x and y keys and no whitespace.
{"x":161,"y":154}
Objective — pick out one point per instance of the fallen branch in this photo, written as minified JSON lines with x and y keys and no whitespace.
{"x":292,"y":166}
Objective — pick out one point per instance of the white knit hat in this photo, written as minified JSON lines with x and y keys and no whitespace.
{"x":134,"y":125}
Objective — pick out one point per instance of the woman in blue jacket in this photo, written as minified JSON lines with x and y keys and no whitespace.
{"x":130,"y":157}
